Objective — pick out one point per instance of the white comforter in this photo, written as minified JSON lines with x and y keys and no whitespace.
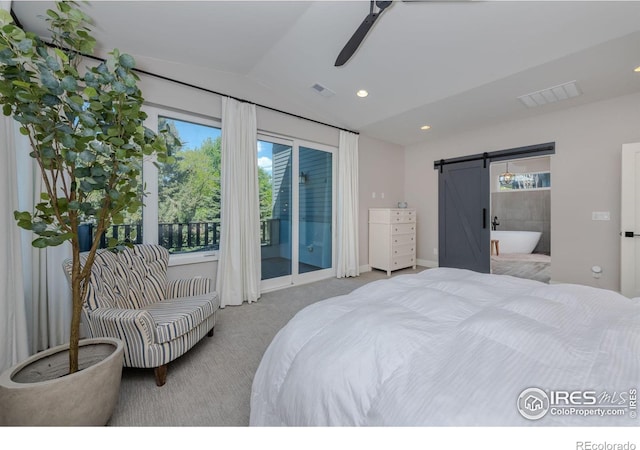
{"x":448,"y":347}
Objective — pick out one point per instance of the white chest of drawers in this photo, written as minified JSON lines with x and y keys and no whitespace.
{"x":392,"y":238}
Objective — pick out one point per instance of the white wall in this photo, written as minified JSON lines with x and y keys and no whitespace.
{"x":381,"y":171}
{"x":585,"y":178}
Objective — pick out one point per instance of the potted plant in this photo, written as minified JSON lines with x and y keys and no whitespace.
{"x":86,"y":131}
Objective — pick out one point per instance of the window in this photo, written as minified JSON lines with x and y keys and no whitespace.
{"x":529,"y":181}
{"x":189,"y":189}
{"x":182,"y":200}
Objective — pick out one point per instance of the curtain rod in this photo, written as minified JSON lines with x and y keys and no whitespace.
{"x":182,"y":83}
{"x":193,"y":86}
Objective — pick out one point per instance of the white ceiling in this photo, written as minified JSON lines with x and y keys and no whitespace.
{"x":452,"y":65}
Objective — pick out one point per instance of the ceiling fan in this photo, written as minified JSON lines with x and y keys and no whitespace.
{"x":357,"y":38}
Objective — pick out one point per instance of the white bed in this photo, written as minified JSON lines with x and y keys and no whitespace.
{"x":450,"y":347}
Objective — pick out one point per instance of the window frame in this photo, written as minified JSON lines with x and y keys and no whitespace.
{"x":150,"y":181}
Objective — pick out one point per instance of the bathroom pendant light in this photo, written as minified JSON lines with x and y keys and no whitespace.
{"x":506,"y":178}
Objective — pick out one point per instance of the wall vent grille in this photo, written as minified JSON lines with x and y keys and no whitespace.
{"x":323,"y":90}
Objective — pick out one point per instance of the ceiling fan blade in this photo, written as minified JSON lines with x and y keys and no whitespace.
{"x":357,"y":38}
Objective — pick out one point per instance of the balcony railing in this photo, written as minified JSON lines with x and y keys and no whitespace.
{"x":185,"y":237}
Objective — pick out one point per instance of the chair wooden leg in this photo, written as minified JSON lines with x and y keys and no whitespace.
{"x":161,"y":375}
{"x":210,"y":333}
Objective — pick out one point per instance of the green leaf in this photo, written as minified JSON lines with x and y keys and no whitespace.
{"x":39,"y":227}
{"x":25,"y":224}
{"x":90,"y":92}
{"x":22,"y":215}
{"x":77,"y":100}
{"x":5,"y":17}
{"x":69,"y":84}
{"x":40,"y":243}
{"x":85,"y":186}
{"x":22,"y":84}
{"x":51,"y":13}
{"x":49,"y":81}
{"x":87,"y":119}
{"x":53,"y":63}
{"x":25,"y":45}
{"x":62,"y":55}
{"x":68,"y":141}
{"x":50,"y":100}
{"x":127,"y":61}
{"x":116,"y":141}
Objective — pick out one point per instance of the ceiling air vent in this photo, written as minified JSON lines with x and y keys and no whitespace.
{"x":551,"y":95}
{"x":322,"y":90}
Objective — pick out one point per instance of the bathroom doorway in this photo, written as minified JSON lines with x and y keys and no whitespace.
{"x":521,"y":218}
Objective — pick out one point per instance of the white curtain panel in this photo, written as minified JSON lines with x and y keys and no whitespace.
{"x":13,"y":324}
{"x":239,"y":264}
{"x":47,"y":293}
{"x":347,"y":229}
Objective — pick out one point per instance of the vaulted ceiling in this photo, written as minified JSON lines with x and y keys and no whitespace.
{"x":454,"y":65}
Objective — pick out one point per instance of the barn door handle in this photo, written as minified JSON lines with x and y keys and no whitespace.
{"x":484,"y":217}
{"x":630,"y":234}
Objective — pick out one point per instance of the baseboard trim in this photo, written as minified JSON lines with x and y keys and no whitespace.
{"x":427,"y":263}
{"x":365,"y":268}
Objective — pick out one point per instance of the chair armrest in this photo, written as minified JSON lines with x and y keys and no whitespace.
{"x":138,"y":325}
{"x":188,"y":287}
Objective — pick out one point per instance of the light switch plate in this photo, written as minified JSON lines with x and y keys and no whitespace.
{"x":600,"y":215}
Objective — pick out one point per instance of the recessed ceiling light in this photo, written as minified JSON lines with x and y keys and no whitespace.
{"x":637,"y":69}
{"x":362,"y":93}
{"x":425,"y":127}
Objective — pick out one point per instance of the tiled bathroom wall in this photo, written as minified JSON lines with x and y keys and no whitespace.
{"x":524,"y":211}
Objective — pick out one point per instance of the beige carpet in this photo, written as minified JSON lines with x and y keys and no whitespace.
{"x":211,"y":384}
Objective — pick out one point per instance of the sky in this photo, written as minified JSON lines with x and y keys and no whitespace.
{"x":193,"y":135}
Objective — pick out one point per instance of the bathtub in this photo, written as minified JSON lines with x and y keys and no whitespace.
{"x":516,"y":241}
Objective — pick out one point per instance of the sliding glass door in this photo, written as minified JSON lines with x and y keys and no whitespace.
{"x":315,"y":206}
{"x":274,"y":180}
{"x":296,"y":211}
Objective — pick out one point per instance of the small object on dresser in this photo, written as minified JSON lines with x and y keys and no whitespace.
{"x":402,"y":204}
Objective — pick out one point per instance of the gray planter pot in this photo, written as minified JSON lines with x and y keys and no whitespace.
{"x":38,"y":391}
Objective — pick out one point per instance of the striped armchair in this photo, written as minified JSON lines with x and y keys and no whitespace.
{"x":129,"y":298}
